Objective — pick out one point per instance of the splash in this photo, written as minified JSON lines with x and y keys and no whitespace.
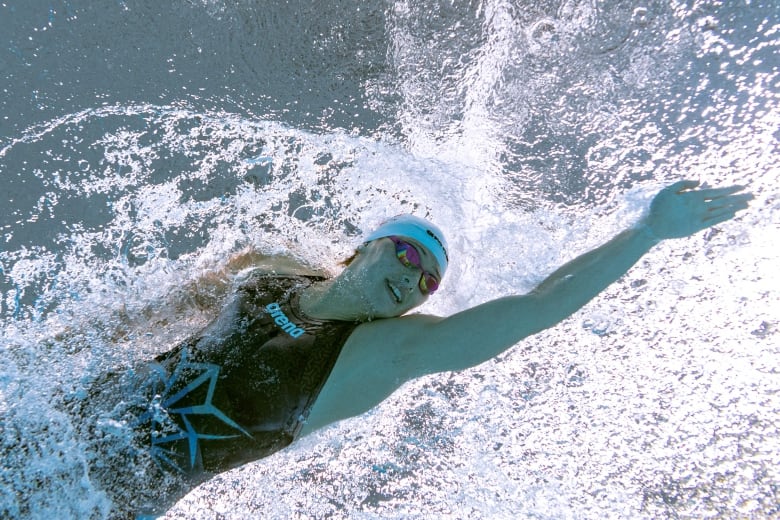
{"x":530,"y":133}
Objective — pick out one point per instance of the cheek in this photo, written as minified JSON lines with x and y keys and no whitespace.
{"x":415,"y":300}
{"x":419,"y":299}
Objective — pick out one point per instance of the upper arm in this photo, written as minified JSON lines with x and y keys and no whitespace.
{"x":382,"y":355}
{"x":427,"y":344}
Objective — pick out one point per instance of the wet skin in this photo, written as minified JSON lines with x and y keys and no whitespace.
{"x":375,"y":285}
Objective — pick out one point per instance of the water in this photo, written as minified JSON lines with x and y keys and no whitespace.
{"x":141,"y":144}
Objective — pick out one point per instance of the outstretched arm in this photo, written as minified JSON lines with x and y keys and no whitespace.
{"x":480,"y":333}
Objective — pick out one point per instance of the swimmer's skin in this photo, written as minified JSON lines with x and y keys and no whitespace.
{"x":382,"y":354}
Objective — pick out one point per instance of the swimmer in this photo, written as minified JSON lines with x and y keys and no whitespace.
{"x":289,"y":354}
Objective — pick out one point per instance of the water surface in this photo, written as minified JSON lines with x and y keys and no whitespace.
{"x":141,"y":144}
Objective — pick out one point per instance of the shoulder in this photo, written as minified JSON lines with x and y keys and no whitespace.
{"x":261,"y":279}
{"x":377,"y":358}
{"x":393,"y":344}
{"x":275,"y":264}
{"x":394,"y":330}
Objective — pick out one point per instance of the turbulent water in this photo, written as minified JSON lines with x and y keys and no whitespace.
{"x":142,"y":144}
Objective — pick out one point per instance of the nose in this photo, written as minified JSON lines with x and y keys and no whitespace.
{"x":408,"y":282}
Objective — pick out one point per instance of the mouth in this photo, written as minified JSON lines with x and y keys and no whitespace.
{"x":395,"y":292}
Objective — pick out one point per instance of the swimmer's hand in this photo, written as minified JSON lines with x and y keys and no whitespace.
{"x":680,"y":210}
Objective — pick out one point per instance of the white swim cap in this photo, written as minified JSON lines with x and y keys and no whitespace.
{"x":416,"y":228}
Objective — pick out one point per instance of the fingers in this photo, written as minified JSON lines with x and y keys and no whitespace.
{"x":726,"y":210}
{"x":741,"y":199}
{"x":681,"y":186}
{"x":707,"y":193}
{"x":717,"y":217}
{"x":735,"y":201}
{"x":717,"y":193}
{"x":732,"y":206}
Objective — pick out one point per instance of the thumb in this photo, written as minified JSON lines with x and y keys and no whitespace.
{"x":683,"y":185}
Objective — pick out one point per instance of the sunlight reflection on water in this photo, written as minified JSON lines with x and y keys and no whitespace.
{"x":531,"y":133}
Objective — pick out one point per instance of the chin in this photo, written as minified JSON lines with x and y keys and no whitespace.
{"x":388,"y":313}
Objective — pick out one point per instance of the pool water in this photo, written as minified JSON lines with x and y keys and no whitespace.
{"x":142,"y":143}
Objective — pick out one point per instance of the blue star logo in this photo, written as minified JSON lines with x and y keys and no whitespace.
{"x":164,"y":406}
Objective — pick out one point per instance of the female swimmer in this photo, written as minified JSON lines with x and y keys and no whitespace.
{"x":291,"y":353}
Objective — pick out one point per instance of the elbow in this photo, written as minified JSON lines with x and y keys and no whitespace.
{"x":546,"y":312}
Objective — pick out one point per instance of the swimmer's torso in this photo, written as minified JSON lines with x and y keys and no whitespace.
{"x":243,"y":389}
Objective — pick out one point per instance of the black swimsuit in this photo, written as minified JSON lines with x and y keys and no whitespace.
{"x":244,"y":388}
{"x":239,"y":391}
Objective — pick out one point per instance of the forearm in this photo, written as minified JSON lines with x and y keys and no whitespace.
{"x":480,"y":333}
{"x":577,"y":282}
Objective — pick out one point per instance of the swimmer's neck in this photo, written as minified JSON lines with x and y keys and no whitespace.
{"x":332,"y":300}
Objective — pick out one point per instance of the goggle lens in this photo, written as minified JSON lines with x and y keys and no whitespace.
{"x":409,"y":256}
{"x":428,"y":284}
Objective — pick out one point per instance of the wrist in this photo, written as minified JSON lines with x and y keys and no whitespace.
{"x":644,"y":230}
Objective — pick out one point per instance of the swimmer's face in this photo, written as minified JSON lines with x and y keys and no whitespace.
{"x":388,"y":286}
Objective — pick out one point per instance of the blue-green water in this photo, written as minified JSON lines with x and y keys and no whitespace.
{"x":141,"y":144}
